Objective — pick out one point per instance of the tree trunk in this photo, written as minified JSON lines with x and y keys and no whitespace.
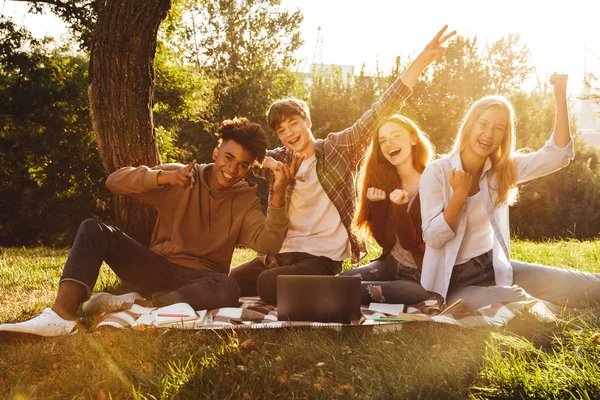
{"x":120,"y":93}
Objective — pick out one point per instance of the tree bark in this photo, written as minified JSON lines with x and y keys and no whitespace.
{"x":120,"y":94}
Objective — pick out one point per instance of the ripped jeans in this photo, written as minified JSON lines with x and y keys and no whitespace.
{"x":386,"y":281}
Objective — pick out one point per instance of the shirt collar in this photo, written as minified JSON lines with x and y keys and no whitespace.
{"x":456,"y":163}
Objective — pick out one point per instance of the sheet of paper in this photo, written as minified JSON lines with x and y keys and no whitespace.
{"x":392,"y":309}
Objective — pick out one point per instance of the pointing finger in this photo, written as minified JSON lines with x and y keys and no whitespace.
{"x":190,"y":165}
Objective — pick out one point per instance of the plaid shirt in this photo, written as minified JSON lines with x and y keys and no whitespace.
{"x":338,"y":157}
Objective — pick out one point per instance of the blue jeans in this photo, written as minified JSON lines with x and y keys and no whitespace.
{"x":474,"y":282}
{"x":386,"y":281}
{"x":144,"y":271}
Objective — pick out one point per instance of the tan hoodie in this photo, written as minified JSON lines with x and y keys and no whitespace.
{"x":200,"y":227}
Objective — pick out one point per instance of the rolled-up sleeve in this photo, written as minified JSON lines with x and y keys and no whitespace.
{"x":436,"y":231}
{"x":546,"y":160}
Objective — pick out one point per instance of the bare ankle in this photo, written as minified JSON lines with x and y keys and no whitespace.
{"x":64,"y":313}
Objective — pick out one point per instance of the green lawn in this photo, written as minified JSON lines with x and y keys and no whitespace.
{"x":527,"y":359}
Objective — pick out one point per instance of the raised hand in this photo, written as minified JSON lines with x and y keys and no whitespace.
{"x":285,"y":174}
{"x":183,"y":176}
{"x":559,"y":82}
{"x":434,"y":51}
{"x":460,"y":182}
{"x":375,"y":194}
{"x":399,"y":196}
{"x":271,"y":163}
{"x":295,"y":166}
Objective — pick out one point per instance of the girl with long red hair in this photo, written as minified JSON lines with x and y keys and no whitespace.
{"x":389,"y":210}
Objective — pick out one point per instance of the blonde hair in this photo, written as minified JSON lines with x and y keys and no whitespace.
{"x":502,"y":165}
{"x":377,"y":171}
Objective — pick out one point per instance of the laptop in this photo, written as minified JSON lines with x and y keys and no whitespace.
{"x":318,"y":298}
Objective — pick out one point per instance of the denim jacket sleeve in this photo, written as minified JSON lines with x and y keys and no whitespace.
{"x":436,"y":231}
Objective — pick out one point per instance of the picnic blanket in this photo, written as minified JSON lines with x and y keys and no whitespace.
{"x":255,"y":314}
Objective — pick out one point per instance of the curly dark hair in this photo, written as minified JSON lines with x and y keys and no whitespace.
{"x":249,"y":135}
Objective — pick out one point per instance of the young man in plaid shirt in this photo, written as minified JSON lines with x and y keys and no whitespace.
{"x":321,"y":203}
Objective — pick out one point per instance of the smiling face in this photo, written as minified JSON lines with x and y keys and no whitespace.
{"x":488,"y":133}
{"x":294,"y":132}
{"x":396,"y":143}
{"x":232,"y":164}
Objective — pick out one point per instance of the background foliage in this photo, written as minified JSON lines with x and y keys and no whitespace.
{"x":219,"y":59}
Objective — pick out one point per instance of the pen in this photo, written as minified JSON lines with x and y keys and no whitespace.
{"x":392,"y":319}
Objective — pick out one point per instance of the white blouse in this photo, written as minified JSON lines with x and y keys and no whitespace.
{"x":443,"y":243}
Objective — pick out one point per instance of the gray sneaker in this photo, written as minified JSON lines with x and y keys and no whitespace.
{"x":106,"y":302}
{"x":48,"y":324}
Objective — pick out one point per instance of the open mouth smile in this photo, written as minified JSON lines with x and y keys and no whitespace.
{"x":484,"y":144}
{"x":294,"y":141}
{"x":226,"y":175}
{"x":394,"y":152}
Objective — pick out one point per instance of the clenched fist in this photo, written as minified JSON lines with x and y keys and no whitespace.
{"x":399,"y":196}
{"x":375,"y":194}
{"x":460,"y":182}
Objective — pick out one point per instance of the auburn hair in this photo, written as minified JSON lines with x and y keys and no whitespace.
{"x":502,"y":165}
{"x":376,"y":171}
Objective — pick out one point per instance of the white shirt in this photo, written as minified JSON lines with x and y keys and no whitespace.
{"x":315,"y":225}
{"x":443,"y":243}
{"x":479,"y":230}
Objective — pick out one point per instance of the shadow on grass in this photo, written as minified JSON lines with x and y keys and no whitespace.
{"x":416,"y":360}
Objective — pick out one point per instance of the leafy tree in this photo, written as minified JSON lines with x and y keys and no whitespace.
{"x":509,"y":64}
{"x":51,"y":177}
{"x":247,"y":47}
{"x":337,"y":101}
{"x":122,"y":39}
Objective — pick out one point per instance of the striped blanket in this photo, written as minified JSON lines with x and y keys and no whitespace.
{"x":254,"y":314}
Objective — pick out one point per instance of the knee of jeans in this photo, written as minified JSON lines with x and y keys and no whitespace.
{"x":266,"y":286}
{"x":509,"y":293}
{"x":89,"y":225}
{"x":266,"y":280}
{"x":376,"y":293}
{"x":229,"y":292}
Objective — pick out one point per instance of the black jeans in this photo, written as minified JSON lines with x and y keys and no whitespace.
{"x":254,"y":278}
{"x":386,"y":281}
{"x":144,"y":271}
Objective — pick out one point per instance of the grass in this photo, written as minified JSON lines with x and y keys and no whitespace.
{"x":526,"y":359}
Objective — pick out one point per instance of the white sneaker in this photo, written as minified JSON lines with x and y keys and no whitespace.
{"x":106,"y":302}
{"x":48,"y":323}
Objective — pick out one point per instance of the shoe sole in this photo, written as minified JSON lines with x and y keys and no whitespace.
{"x":28,"y":337}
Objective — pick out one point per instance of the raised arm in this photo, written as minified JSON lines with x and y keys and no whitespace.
{"x":355,"y":139}
{"x":558,"y":151}
{"x":266,"y":235}
{"x":562,"y":129}
{"x":148,"y":184}
{"x":434,"y":51}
